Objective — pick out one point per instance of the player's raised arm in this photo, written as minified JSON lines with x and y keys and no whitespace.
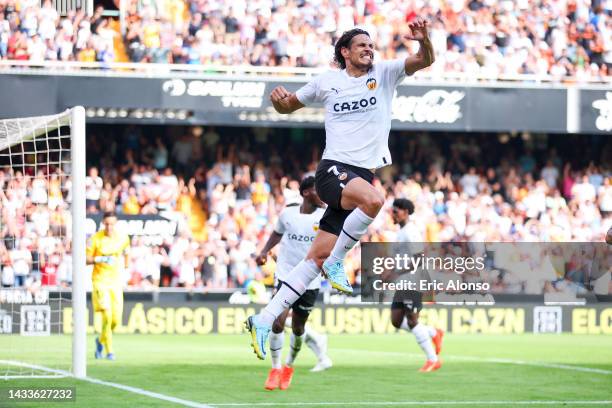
{"x":284,"y":101}
{"x":425,"y":56}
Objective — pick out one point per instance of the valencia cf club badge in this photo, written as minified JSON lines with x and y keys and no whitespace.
{"x":371,"y":84}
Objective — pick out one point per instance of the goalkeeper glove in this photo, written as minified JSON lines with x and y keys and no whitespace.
{"x":104,"y":259}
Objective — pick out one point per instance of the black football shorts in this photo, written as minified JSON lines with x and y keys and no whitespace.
{"x":410,"y":300}
{"x":330,"y":179}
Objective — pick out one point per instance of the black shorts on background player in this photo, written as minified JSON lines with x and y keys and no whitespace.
{"x":305,"y":303}
{"x":411,"y":300}
{"x":330,"y":179}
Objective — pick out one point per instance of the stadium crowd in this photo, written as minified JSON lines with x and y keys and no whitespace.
{"x":227,"y":193}
{"x":561,"y":38}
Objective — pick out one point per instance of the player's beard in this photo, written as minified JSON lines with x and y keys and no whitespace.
{"x":356,"y":62}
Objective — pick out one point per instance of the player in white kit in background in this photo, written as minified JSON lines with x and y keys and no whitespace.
{"x":295,"y":229}
{"x":357,"y":101}
{"x":407,"y":304}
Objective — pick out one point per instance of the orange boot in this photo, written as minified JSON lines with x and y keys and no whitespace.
{"x":286,"y":376}
{"x":430,"y":366}
{"x":274,"y":378}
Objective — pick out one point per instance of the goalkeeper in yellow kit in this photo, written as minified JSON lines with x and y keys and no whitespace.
{"x":106,"y":250}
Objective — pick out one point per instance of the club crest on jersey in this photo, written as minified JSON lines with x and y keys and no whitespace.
{"x":315,"y":227}
{"x":342,"y":176}
{"x":371,"y":84}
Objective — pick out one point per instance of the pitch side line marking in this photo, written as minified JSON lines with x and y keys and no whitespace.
{"x":128,"y":388}
{"x":419,"y":403}
{"x":540,"y":364}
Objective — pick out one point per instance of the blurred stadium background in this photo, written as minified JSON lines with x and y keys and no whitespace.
{"x":507,"y":137}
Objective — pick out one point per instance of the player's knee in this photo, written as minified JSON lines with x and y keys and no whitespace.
{"x":277,"y":327}
{"x":372,"y":203}
{"x":298,"y":330}
{"x":319,"y":256}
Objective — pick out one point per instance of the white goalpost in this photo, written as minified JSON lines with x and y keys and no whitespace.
{"x":42,"y":246}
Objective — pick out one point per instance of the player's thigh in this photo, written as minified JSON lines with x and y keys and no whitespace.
{"x":101,"y":298}
{"x":406,"y":303}
{"x":413,"y":317}
{"x":117,"y":303}
{"x":322,"y":245}
{"x":332,"y":179}
{"x":358,"y":193}
{"x":398,"y":313}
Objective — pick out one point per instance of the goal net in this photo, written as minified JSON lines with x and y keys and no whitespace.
{"x":42,"y":246}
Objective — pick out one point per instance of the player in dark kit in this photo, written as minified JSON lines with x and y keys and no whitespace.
{"x":357,"y":101}
{"x":407,"y":304}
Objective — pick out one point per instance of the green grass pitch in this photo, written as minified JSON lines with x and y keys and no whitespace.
{"x":219,"y":370}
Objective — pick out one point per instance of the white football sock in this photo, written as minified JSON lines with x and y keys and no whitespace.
{"x":295,"y":344}
{"x":431,"y":330}
{"x":424,"y":340}
{"x":292,"y":288}
{"x":276,"y":348}
{"x":313,"y":340}
{"x":355,"y":225}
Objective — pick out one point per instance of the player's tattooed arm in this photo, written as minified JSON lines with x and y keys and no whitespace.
{"x":417,"y":31}
{"x":284,"y":101}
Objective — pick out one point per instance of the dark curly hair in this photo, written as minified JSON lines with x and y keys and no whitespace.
{"x":404,"y":204}
{"x":345,"y":41}
{"x":308,"y":182}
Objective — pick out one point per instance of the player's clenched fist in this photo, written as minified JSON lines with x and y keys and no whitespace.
{"x":278,"y":94}
{"x":284,"y":101}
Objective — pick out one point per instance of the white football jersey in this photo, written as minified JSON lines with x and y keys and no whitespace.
{"x":409,"y":235}
{"x":357,"y":112}
{"x":408,"y":238}
{"x":298,"y":230}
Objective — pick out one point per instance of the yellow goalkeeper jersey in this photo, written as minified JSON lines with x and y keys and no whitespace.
{"x":113,"y":247}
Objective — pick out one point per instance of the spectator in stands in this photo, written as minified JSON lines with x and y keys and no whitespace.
{"x":20,"y":260}
{"x":459,"y":193}
{"x":550,"y":174}
{"x":93,"y":189}
{"x":492,"y":38}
